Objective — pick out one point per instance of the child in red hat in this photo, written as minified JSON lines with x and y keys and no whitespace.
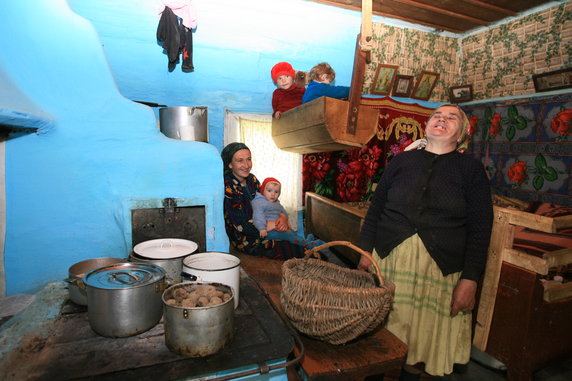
{"x":265,"y":210}
{"x":288,"y":95}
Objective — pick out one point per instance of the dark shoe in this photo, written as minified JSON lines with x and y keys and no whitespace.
{"x":407,"y":376}
{"x":460,"y":368}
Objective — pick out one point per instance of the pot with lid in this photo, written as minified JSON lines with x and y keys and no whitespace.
{"x":124,"y":299}
{"x":167,"y":253}
{"x":78,"y":270}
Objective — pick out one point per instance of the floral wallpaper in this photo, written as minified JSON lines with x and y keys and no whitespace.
{"x":526,"y":146}
{"x":497,"y":62}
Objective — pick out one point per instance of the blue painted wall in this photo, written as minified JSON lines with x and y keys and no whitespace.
{"x":76,"y":65}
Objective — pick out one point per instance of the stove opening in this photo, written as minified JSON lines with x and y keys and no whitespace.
{"x":170,"y":221}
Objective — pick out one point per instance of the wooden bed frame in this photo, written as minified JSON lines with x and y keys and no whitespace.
{"x":521,"y":319}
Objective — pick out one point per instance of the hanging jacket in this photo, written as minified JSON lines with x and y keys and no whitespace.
{"x":168,"y":33}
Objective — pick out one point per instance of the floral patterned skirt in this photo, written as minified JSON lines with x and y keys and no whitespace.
{"x":420,"y":316}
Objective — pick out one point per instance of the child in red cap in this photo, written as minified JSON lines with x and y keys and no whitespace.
{"x":288,"y":95}
{"x":265,"y":210}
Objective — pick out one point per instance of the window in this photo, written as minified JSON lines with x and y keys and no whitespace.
{"x":255,"y":131}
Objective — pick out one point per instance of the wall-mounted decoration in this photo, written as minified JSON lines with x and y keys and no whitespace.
{"x":425,"y":84}
{"x":384,"y":78}
{"x":553,"y":80}
{"x":403,"y":85}
{"x":458,"y":94}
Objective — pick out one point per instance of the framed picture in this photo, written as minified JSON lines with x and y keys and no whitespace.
{"x":383,"y":80}
{"x":458,"y":94}
{"x":553,"y":80}
{"x":424,"y":86}
{"x":403,"y":85}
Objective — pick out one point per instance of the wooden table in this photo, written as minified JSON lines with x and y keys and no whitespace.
{"x":373,"y":354}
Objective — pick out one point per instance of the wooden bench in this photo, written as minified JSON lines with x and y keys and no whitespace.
{"x":370,"y":355}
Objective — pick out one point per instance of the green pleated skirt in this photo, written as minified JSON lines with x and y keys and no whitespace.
{"x":420,"y":316}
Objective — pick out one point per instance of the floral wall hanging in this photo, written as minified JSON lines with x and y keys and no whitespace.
{"x":526,"y":146}
{"x":349,"y":176}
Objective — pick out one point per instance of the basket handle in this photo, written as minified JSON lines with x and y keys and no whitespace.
{"x":314,"y":251}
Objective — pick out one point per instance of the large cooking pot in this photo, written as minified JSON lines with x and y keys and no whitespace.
{"x":78,"y":270}
{"x":184,"y":123}
{"x":214,"y":267}
{"x":165,"y":252}
{"x":124,"y":299}
{"x":197,"y":331}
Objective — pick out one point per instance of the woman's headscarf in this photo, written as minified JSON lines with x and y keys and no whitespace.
{"x":462,"y":142}
{"x":228,"y":152}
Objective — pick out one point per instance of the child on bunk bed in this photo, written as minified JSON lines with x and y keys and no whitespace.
{"x":288,"y":95}
{"x":321,"y":77}
{"x":265,"y":211}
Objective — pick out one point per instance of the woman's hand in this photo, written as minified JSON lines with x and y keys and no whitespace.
{"x":282,"y":223}
{"x":463,"y":299}
{"x":364,"y":264}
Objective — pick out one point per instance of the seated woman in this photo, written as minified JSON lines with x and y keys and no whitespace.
{"x":240,"y":187}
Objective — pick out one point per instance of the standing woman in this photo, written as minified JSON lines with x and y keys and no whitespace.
{"x":240,"y":187}
{"x":429,"y":227}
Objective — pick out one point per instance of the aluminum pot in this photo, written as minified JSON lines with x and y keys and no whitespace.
{"x":124,"y":299}
{"x":165,"y":252}
{"x":198,"y":331}
{"x":184,"y":123}
{"x":78,"y":270}
{"x":214,"y":267}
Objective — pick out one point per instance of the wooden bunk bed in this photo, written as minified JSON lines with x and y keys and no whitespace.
{"x":523,"y":317}
{"x":328,"y":124}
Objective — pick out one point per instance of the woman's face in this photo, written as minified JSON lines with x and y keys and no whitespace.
{"x":444,"y":125}
{"x":241,"y":164}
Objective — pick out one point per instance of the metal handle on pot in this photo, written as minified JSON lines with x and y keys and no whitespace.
{"x":190,"y":277}
{"x":114,"y":276}
{"x":79,"y":283}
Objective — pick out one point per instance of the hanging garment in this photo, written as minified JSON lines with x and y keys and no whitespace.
{"x":169,"y":34}
{"x":187,"y":49}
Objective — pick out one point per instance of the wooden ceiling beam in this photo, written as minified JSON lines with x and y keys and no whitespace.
{"x":495,"y":8}
{"x":432,"y":8}
{"x":419,"y":22}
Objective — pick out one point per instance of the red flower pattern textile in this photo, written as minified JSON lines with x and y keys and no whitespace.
{"x":473,"y":125}
{"x":351,"y":184}
{"x":495,"y":128}
{"x":315,"y":168}
{"x":561,"y":122}
{"x":518,"y":172}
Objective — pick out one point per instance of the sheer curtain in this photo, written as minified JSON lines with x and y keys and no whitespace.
{"x":255,"y":131}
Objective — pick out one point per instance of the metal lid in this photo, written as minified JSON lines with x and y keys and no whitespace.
{"x":124,"y":275}
{"x":165,"y":248}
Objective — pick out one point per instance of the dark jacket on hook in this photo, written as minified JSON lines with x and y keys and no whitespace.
{"x":169,"y":34}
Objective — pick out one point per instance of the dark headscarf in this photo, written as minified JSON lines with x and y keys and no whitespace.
{"x":228,"y":152}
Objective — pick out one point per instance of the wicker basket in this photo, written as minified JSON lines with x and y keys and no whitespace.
{"x":331,"y":303}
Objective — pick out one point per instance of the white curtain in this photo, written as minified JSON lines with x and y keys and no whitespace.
{"x":255,"y":131}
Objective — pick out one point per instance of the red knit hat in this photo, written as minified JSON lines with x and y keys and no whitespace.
{"x":282,"y":68}
{"x":266,"y":181}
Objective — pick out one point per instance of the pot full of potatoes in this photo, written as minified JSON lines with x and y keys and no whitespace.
{"x":198,"y":317}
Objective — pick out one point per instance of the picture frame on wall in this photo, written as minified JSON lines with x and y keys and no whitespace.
{"x":463,"y":93}
{"x":553,"y":80}
{"x":402,"y":86}
{"x":425,"y":85}
{"x":384,"y":78}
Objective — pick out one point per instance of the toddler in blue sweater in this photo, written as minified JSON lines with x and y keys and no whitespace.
{"x":321,"y":77}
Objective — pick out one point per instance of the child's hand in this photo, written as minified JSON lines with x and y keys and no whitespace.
{"x":277,"y":115}
{"x":263,"y":233}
